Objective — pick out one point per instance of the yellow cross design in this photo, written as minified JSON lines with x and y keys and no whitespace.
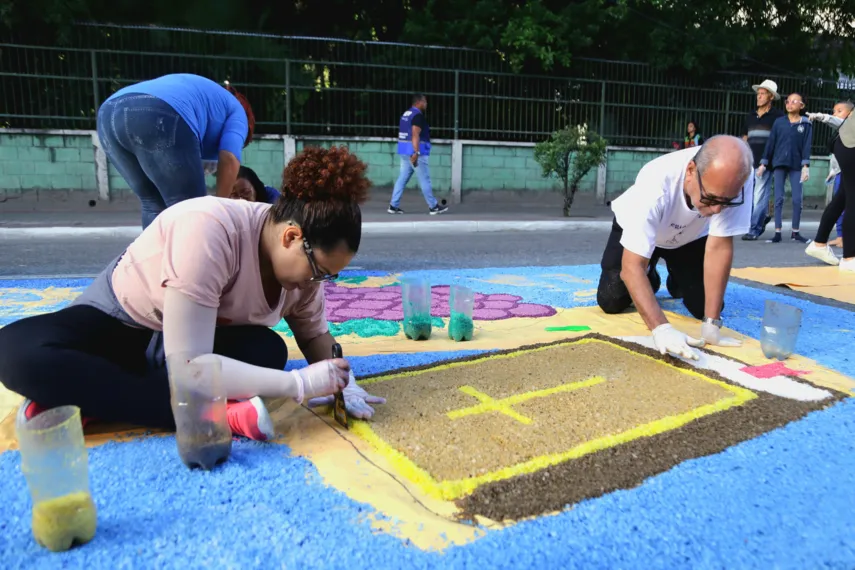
{"x":489,"y":404}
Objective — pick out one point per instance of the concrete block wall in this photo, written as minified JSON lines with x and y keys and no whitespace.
{"x":61,"y":166}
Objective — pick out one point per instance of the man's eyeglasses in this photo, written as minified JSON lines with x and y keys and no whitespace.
{"x":317,"y":276}
{"x":713,"y":200}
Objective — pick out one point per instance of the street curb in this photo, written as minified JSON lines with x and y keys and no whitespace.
{"x":368,"y":228}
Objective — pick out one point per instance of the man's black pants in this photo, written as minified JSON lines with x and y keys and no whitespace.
{"x":685,"y":275}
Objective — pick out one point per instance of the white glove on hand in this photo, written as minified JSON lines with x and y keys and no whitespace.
{"x":668,"y":339}
{"x":711,"y":334}
{"x":356,"y":400}
{"x":761,"y":170}
{"x":805,"y":174}
{"x":323,"y":378}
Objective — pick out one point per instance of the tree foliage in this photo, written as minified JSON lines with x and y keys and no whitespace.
{"x":569,"y":155}
{"x":807,"y":37}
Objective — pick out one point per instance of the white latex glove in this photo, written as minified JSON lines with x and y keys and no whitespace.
{"x":324,"y":378}
{"x":761,"y":169}
{"x":356,"y":400}
{"x":805,"y":174}
{"x":669,"y":340}
{"x":711,"y":334}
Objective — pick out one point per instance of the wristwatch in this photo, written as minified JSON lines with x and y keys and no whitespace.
{"x":715,"y":322}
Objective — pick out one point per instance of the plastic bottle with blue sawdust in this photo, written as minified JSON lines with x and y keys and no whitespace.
{"x":461,"y":303}
{"x":780,"y":330}
{"x":416,"y":300}
{"x":55,"y":464}
{"x":198,"y":399}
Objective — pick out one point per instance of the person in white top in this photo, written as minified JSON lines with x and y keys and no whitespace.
{"x":685,"y":207}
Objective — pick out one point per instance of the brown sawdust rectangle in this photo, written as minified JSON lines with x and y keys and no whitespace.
{"x":637,"y":391}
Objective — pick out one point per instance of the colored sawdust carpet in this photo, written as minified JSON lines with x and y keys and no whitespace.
{"x":556,"y":435}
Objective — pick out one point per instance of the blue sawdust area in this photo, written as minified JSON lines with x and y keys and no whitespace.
{"x":780,"y":500}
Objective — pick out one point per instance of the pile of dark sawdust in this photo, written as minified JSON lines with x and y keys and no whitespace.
{"x":633,"y":391}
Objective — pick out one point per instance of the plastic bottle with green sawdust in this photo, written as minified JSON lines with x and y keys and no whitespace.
{"x":461,"y":302}
{"x":55,"y":464}
{"x":416,"y":300}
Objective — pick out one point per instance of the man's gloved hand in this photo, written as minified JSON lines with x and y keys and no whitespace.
{"x":711,"y":334}
{"x":324,"y":377}
{"x":805,"y":174}
{"x":356,"y":400}
{"x":669,"y":340}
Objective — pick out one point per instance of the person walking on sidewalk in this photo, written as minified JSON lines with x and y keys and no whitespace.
{"x":758,"y":125}
{"x":685,"y":207}
{"x":841,"y":203}
{"x":161,"y":136}
{"x":788,"y":155}
{"x":414,"y":150}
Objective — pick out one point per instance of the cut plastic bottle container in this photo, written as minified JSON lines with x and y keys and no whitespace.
{"x":781,"y":324}
{"x":199,"y":406}
{"x":416,"y":299}
{"x":461,"y":302}
{"x":55,"y":464}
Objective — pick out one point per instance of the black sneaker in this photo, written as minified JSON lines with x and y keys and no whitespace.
{"x":438,"y":209}
{"x":750,"y":237}
{"x":796,"y":236}
{"x":394,"y":210}
{"x":776,"y":239}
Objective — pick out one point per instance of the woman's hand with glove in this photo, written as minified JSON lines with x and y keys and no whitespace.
{"x":356,"y":400}
{"x":323,"y":378}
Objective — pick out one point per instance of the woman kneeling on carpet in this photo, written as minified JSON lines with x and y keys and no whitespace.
{"x":209,"y":275}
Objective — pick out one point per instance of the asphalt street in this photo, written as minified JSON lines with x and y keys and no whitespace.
{"x":86,"y":256}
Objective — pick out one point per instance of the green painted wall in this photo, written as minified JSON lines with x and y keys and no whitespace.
{"x":67,"y":162}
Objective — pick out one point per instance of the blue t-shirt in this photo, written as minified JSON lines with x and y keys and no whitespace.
{"x":208,"y":108}
{"x":272,"y":195}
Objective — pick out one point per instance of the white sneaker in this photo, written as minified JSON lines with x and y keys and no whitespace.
{"x":847,"y":265}
{"x":822,"y":253}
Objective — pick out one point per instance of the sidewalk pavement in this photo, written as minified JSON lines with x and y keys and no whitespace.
{"x":479,"y":212}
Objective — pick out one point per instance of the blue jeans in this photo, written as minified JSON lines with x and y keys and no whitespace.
{"x":840,"y":219}
{"x":781,"y":174}
{"x":423,"y":172}
{"x":761,"y":203}
{"x":154,"y":150}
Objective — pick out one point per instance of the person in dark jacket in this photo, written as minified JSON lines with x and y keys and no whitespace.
{"x":787,"y":154}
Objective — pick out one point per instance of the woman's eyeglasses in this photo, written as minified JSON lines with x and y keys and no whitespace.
{"x":317,"y":276}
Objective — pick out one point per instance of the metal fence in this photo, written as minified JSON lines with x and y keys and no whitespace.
{"x":324,"y":86}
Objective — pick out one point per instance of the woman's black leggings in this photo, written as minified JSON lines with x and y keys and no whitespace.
{"x":842,"y":203}
{"x":83,"y":357}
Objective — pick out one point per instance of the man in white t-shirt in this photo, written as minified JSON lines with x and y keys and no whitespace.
{"x":685,"y":207}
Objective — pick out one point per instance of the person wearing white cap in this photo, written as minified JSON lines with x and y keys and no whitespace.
{"x":758,"y":125}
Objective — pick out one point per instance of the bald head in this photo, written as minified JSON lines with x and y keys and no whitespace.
{"x":725,"y":163}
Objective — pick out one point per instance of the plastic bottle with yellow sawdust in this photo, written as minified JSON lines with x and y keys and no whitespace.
{"x":55,"y":464}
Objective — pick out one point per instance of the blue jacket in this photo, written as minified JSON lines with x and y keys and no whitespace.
{"x":789,"y":144}
{"x":405,"y":133}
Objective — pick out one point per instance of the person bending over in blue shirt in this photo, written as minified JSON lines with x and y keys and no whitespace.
{"x":788,"y":150}
{"x":158,"y":133}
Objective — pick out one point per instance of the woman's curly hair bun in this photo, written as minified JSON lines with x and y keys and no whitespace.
{"x":320,"y":174}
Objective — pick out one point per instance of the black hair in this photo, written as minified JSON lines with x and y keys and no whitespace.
{"x":250,"y":176}
{"x":418,"y":98}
